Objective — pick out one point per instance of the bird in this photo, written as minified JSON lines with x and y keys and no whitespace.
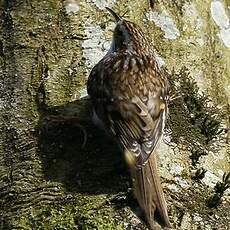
{"x":129,"y":96}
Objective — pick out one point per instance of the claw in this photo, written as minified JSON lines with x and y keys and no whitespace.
{"x":174,"y":97}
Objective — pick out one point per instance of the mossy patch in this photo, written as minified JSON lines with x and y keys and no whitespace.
{"x":84,"y":212}
{"x":194,"y":120}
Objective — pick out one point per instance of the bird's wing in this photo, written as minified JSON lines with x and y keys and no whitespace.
{"x":132,"y":123}
{"x":118,"y":103}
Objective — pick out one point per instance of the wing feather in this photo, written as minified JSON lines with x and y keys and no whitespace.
{"x":134,"y":117}
{"x":136,"y":129}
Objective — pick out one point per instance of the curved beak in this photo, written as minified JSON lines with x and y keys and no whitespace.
{"x":116,"y":16}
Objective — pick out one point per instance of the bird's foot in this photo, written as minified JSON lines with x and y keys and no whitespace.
{"x":174,"y":97}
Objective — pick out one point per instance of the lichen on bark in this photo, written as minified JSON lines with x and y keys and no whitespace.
{"x":47,"y":180}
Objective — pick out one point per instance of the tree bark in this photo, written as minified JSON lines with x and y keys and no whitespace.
{"x":48,"y":180}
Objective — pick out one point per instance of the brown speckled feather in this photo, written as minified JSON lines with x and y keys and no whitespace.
{"x":129,"y":96}
{"x":134,"y":100}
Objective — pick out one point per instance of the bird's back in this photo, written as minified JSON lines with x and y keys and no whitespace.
{"x":130,"y":88}
{"x":129,"y":97}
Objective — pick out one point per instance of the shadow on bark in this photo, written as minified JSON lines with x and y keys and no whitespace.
{"x":96,"y":168}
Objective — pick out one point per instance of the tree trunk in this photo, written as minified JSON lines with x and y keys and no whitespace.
{"x":48,"y":179}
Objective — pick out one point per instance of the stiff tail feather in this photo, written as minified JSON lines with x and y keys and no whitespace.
{"x":149,"y":193}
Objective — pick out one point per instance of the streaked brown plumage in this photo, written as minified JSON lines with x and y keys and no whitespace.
{"x":129,"y":97}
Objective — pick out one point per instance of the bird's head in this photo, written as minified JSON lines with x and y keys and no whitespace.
{"x":128,"y":36}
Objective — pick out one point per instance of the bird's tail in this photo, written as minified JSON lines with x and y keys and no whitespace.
{"x":149,"y":193}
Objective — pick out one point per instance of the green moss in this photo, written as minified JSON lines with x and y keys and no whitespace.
{"x":58,"y":74}
{"x":84,"y":212}
{"x":194,"y":120}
